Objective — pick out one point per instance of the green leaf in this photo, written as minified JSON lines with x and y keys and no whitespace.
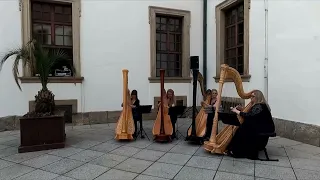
{"x":35,"y":57}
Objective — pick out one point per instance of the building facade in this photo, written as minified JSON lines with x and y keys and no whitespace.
{"x":273,"y":44}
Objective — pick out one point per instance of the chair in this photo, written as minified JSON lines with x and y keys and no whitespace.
{"x":263,"y":145}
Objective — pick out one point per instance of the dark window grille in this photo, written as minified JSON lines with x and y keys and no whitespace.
{"x":169,"y":45}
{"x":234,"y":43}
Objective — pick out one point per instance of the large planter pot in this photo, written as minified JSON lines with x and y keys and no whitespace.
{"x":42,"y":133}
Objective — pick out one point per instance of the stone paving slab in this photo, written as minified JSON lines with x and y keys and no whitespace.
{"x":92,"y":153}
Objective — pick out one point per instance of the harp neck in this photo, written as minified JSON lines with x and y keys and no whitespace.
{"x":126,"y":94}
{"x":200,"y":80}
{"x":230,"y":73}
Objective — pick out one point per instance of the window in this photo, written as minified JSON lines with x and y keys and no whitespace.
{"x":52,"y":27}
{"x":56,"y":25}
{"x":233,"y":36}
{"x":169,"y":51}
{"x":169,"y":44}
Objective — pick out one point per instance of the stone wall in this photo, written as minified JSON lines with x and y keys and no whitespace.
{"x":297,"y":131}
{"x":12,"y":122}
{"x":306,"y":133}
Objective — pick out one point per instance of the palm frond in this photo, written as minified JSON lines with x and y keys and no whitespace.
{"x":21,"y":54}
{"x":57,"y":56}
{"x":35,"y":57}
{"x":15,"y":70}
{"x":8,"y":55}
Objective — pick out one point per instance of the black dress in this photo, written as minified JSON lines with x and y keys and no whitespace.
{"x":137,"y":116}
{"x":173,"y":117}
{"x":209,"y":122}
{"x":246,"y":143}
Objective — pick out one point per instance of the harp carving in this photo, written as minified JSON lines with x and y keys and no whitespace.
{"x":125,"y":124}
{"x":219,"y":142}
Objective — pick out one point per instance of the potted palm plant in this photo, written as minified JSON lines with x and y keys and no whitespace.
{"x":43,"y":128}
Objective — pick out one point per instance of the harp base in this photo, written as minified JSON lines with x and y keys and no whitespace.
{"x":213,"y":148}
{"x":194,"y":139}
{"x":124,"y":136}
{"x":162,"y":138}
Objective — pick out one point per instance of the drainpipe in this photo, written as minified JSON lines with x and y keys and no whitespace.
{"x":205,"y":4}
{"x":266,"y":58}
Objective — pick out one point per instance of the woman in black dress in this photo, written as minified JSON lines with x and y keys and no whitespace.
{"x":246,"y":142}
{"x":214,"y":94}
{"x":173,"y":115}
{"x":137,"y":115}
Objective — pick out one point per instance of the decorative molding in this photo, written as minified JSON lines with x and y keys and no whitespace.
{"x":170,"y":79}
{"x":72,"y":102}
{"x":20,"y":5}
{"x":52,"y":80}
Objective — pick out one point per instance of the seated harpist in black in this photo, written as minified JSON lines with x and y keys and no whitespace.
{"x":137,"y":116}
{"x":246,"y":142}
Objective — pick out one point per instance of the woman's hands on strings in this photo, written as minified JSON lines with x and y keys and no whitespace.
{"x":236,"y":109}
{"x":239,"y":107}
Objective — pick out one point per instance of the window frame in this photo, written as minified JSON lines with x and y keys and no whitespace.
{"x":153,"y":11}
{"x":220,"y":36}
{"x":25,"y":7}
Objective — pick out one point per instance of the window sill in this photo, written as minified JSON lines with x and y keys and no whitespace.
{"x":170,"y":79}
{"x":52,"y":79}
{"x":244,"y":78}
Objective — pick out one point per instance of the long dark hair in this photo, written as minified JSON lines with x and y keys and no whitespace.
{"x":134,"y":92}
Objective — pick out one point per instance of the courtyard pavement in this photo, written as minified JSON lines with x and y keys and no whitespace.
{"x":92,"y":153}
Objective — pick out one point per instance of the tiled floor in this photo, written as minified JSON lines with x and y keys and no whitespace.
{"x":92,"y":153}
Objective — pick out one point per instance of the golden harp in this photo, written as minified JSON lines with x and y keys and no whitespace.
{"x":218,"y":142}
{"x":125,"y":124}
{"x":201,"y":117}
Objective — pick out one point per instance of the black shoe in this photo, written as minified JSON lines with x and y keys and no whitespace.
{"x":142,"y":136}
{"x":229,"y":153}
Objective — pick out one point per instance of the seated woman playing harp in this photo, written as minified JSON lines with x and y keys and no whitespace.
{"x":137,"y":115}
{"x":171,"y":99}
{"x":210,"y":109}
{"x":246,"y":142}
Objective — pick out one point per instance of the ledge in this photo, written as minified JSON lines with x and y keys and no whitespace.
{"x":52,"y":79}
{"x":170,"y":79}
{"x":245,"y":78}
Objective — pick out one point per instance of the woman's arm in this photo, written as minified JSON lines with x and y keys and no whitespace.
{"x":203,"y":103}
{"x":215,"y":106}
{"x":136,"y":103}
{"x":256,"y":109}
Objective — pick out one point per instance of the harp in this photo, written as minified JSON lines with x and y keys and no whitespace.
{"x":219,"y":142}
{"x":162,"y":128}
{"x":198,"y":128}
{"x":125,"y":124}
{"x":200,"y":80}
